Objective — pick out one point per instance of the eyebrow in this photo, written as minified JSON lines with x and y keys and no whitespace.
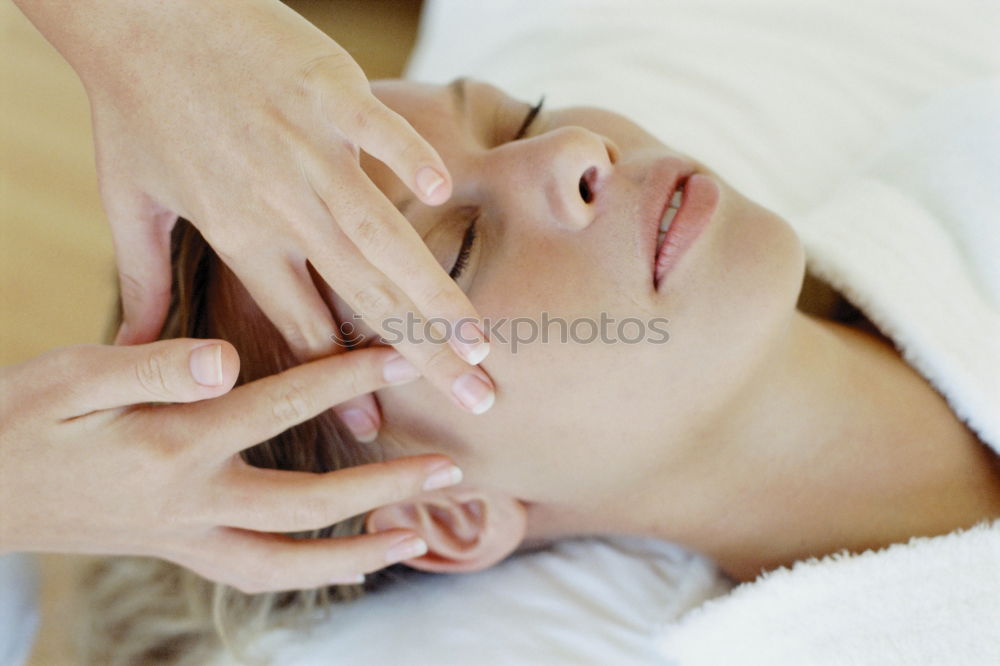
{"x":457,"y":92}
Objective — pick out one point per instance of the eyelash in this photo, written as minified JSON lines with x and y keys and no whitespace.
{"x":469,"y":240}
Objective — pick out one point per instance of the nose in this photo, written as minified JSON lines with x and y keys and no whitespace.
{"x":568,"y":169}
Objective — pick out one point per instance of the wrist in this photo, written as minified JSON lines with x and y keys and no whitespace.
{"x":102,"y":40}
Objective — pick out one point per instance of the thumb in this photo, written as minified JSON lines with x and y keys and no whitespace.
{"x":140,"y":230}
{"x":180,"y":370}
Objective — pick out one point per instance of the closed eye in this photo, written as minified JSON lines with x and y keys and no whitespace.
{"x":468,"y":242}
{"x":530,"y":118}
{"x":469,"y":239}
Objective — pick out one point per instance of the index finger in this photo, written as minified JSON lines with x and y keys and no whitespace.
{"x":391,"y":139}
{"x":267,"y":407}
{"x":403,"y":262}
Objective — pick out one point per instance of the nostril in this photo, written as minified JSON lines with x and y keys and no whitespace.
{"x":585,"y":190}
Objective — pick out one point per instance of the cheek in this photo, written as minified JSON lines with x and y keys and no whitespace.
{"x":493,"y":449}
{"x":739,"y":300}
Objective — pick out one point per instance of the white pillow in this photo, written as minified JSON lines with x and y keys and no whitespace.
{"x":589,"y":601}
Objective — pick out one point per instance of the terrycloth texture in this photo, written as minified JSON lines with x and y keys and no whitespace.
{"x":932,"y":601}
{"x":784,"y":98}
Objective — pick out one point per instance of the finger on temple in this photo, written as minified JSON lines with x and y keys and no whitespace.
{"x":257,"y":411}
{"x":141,"y":234}
{"x":386,"y":240}
{"x":271,"y":500}
{"x":390,"y":313}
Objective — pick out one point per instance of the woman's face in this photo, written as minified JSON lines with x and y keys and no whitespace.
{"x":566,"y":229}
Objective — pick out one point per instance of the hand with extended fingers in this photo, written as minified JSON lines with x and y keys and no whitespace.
{"x":90,"y":467}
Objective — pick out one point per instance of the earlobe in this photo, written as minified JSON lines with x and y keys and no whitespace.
{"x":466,"y":529}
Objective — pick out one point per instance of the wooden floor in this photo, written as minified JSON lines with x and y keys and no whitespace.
{"x":57,"y":276}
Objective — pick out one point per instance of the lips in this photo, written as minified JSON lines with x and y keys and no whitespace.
{"x":669,"y":214}
{"x":696,"y":207}
{"x":665,"y":177}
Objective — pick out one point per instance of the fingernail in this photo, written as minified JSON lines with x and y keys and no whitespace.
{"x":348,"y":580}
{"x":429,"y":180}
{"x":443,"y":478}
{"x":470,"y":342}
{"x":406,"y":549}
{"x":473,"y":392}
{"x":397,"y":370}
{"x":206,"y":365}
{"x":361,"y":425}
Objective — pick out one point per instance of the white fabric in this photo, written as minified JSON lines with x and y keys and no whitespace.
{"x":576,"y":603}
{"x":932,"y":601}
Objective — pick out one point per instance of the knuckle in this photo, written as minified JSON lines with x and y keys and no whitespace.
{"x":291,"y":404}
{"x":440,"y":356}
{"x":295,"y":336}
{"x":358,"y":376}
{"x":412,"y":151}
{"x":370,"y":235}
{"x":152,"y":374}
{"x":437,"y":298}
{"x":361,"y":120}
{"x":130,"y":287}
{"x":351,"y":154}
{"x":367,"y":116}
{"x":373,"y":302}
{"x":308,"y":513}
{"x":135,"y":290}
{"x":328,"y":72}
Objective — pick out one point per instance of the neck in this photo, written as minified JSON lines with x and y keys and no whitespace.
{"x":836,"y":444}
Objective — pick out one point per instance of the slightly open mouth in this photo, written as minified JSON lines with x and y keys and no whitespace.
{"x":669,"y":214}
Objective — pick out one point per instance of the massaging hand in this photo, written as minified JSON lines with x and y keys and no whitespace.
{"x":244,"y":118}
{"x":85,"y":467}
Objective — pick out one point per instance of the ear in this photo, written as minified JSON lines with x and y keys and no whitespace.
{"x":466,"y":529}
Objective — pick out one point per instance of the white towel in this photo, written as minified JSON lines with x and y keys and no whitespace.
{"x":932,"y":601}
